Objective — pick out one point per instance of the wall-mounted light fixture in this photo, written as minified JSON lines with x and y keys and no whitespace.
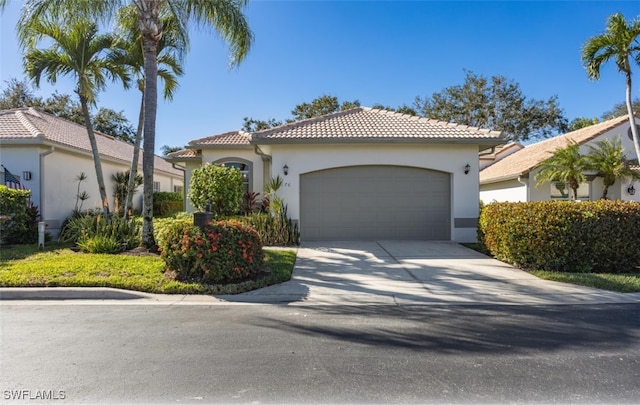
{"x":26,"y":175}
{"x":467,"y":168}
{"x":285,"y":169}
{"x":631,"y":190}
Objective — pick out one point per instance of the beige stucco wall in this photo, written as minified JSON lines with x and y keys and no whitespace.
{"x":447,"y":158}
{"x":509,"y":190}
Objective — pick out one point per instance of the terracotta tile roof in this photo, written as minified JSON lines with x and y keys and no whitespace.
{"x":233,"y":138}
{"x":366,"y":124}
{"x":183,"y":154}
{"x":525,"y":160}
{"x":28,"y":125}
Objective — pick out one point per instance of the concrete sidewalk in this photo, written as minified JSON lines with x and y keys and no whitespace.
{"x":366,"y":273}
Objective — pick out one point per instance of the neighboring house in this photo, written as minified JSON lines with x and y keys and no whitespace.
{"x":488,"y":158}
{"x":47,"y":153}
{"x":361,"y":174}
{"x":512,"y":178}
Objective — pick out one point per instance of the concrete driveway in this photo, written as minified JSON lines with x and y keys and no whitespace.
{"x":415,"y":272}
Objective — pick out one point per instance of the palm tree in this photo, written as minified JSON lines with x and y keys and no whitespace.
{"x":171,"y":49}
{"x":566,"y":165}
{"x":225,"y":16}
{"x":620,"y":43}
{"x":78,"y":51}
{"x":608,"y":158}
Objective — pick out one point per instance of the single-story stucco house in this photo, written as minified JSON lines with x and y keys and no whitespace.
{"x":512,"y":178}
{"x":361,"y":174}
{"x":46,"y":154}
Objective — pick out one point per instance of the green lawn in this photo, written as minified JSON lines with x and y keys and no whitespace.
{"x":59,"y":266}
{"x":625,"y":283}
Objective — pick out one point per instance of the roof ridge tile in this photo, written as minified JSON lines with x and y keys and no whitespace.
{"x":30,"y":126}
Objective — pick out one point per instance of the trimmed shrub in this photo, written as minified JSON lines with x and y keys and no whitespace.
{"x":223,"y":252}
{"x":166,"y":204}
{"x":219,"y":185}
{"x":161,"y":224}
{"x":18,"y":220}
{"x":599,"y":236}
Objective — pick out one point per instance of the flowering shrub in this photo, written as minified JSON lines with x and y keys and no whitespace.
{"x":564,"y":236}
{"x":223,"y":252}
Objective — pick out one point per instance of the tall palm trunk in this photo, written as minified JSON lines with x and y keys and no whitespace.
{"x":632,"y":121}
{"x":133,"y":172}
{"x":96,"y":158}
{"x":150,"y":107}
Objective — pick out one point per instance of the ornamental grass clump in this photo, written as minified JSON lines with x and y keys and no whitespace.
{"x":221,"y":253}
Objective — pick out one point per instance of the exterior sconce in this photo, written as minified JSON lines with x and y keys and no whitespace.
{"x":26,"y":175}
{"x":631,"y":190}
{"x":467,"y":168}
{"x":285,"y":169}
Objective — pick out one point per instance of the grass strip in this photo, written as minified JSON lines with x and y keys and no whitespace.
{"x":625,"y":283}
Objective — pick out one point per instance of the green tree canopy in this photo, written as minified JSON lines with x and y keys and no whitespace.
{"x":620,"y":109}
{"x":320,"y":106}
{"x":497,"y":104}
{"x":581,"y":122}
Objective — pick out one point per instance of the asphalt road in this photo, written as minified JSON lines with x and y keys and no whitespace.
{"x":331,"y":354}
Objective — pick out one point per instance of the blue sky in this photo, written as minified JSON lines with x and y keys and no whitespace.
{"x":373,"y":51}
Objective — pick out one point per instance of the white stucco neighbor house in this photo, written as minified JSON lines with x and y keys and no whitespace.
{"x":512,"y":178}
{"x":47,"y":153}
{"x":362,"y":173}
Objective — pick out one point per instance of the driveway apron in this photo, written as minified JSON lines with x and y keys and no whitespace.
{"x":414,"y":273}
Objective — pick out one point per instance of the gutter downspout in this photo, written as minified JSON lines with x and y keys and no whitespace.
{"x":184,"y":184}
{"x":41,"y":182}
{"x":526,"y":185}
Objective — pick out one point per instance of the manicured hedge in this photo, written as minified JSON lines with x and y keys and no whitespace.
{"x":223,"y":252}
{"x":166,"y":203}
{"x":601,"y":236}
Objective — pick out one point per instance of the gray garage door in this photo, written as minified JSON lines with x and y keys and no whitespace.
{"x":375,"y":202}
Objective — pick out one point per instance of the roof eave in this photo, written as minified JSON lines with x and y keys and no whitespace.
{"x":406,"y":140}
{"x":219,"y":146}
{"x":504,"y":178}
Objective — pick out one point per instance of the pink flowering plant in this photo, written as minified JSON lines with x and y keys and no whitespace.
{"x":223,"y":252}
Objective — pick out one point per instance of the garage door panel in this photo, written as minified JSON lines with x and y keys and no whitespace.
{"x":375,"y":202}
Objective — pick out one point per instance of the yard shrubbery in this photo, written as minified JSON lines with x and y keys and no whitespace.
{"x":92,"y":233}
{"x":598,"y":236}
{"x":220,"y":253}
{"x":18,"y":219}
{"x":166,"y":203}
{"x":274,"y":229}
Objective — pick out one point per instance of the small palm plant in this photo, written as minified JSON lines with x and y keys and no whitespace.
{"x":566,"y":165}
{"x":609,"y":159}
